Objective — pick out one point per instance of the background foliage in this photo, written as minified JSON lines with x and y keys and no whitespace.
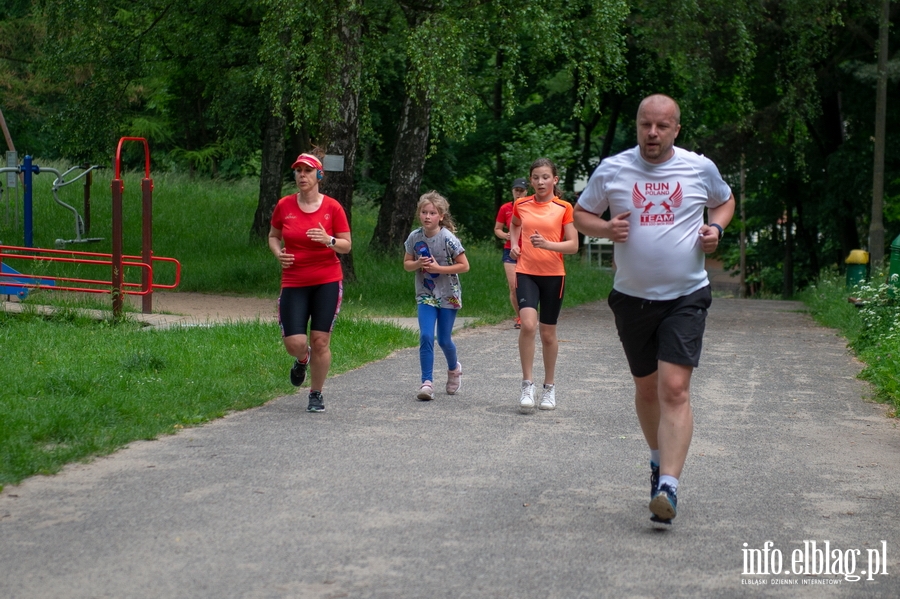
{"x":784,"y":90}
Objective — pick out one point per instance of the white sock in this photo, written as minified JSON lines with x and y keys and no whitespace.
{"x":665,"y":479}
{"x":654,"y":456}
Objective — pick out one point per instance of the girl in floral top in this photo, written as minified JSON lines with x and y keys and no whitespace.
{"x":437,"y":257}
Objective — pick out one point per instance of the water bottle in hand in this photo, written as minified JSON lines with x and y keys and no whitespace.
{"x":422,"y":250}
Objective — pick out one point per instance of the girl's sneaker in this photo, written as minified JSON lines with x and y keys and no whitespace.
{"x":526,"y":400}
{"x":454,"y":379}
{"x":426,"y":391}
{"x":548,"y":401}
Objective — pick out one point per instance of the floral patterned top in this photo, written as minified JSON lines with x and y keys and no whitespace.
{"x":440,"y":291}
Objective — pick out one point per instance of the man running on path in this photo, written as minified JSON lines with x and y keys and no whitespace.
{"x":656,"y":194}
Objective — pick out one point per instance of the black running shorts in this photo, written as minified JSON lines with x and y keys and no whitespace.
{"x":668,"y":330}
{"x":316,"y":306}
{"x":546,"y":293}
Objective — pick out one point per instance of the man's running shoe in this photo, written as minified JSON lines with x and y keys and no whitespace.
{"x":454,"y":381}
{"x":316,"y":402}
{"x":526,"y":400}
{"x":664,"y":503}
{"x":658,"y":520}
{"x":298,"y":371}
{"x":426,"y":391}
{"x":548,"y":401}
{"x":518,"y":324}
{"x":654,"y":478}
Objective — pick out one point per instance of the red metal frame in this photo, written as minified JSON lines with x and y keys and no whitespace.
{"x":118,"y":189}
{"x":117,"y":261}
{"x":92,"y":258}
{"x":146,"y":156}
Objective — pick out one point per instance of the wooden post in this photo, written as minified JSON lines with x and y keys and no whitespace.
{"x":743,"y":230}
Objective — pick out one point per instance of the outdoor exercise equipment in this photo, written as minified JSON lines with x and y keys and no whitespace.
{"x":11,"y":192}
{"x":18,"y":283}
{"x":117,"y":261}
{"x":21,"y":283}
{"x":82,"y":225}
{"x":28,"y":169}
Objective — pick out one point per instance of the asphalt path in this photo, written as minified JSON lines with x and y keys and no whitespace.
{"x":383,"y":496}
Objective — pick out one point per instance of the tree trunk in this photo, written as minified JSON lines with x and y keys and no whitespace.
{"x":587,"y":145}
{"x":808,"y":235}
{"x":571,"y":166}
{"x":876,"y":225}
{"x":397,"y":211}
{"x":341,"y":135}
{"x":611,"y":127}
{"x":271,"y":175}
{"x":501,"y":184}
{"x":743,"y":246}
{"x":787,"y":289}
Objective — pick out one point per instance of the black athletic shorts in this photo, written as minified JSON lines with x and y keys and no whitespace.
{"x":546,"y":293}
{"x":667,"y":330}
{"x":316,"y":306}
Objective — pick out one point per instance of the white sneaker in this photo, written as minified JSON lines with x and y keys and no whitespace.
{"x":426,"y":391}
{"x":526,"y":400}
{"x":548,"y":401}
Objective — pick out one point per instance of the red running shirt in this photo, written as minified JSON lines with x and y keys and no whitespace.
{"x":314,"y":263}
{"x":504,"y":215}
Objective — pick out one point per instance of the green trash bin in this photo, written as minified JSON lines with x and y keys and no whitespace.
{"x":857,"y":268}
{"x":893,"y":278}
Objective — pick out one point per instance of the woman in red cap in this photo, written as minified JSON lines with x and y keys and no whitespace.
{"x":307,"y":232}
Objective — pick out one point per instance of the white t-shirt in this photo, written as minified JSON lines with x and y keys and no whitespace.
{"x":663,"y":258}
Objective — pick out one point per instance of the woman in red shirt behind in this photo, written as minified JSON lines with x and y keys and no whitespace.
{"x":307,"y":232}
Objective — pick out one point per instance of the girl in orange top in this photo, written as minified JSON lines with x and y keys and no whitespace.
{"x":546,"y":226}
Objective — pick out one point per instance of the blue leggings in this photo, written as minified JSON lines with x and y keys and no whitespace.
{"x":444,"y":318}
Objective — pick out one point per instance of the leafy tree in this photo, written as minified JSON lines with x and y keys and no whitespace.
{"x":22,"y":89}
{"x":455,"y":95}
{"x":313,"y":61}
{"x":181,"y":76}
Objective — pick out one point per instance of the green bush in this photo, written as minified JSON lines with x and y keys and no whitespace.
{"x":871,"y":324}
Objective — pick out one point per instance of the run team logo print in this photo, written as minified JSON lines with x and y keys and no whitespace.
{"x":663,"y":215}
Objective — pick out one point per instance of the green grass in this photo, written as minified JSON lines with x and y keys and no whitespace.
{"x":76,"y":388}
{"x":872,"y":330}
{"x":88,"y":387}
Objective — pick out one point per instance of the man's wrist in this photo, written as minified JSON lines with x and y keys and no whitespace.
{"x":719,"y":228}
